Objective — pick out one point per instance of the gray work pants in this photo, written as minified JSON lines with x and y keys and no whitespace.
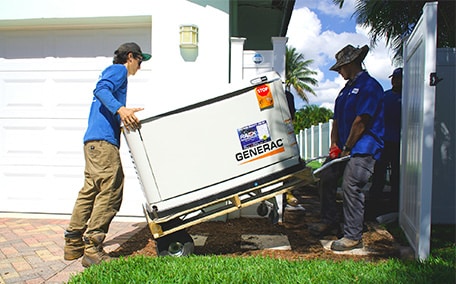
{"x":355,"y":174}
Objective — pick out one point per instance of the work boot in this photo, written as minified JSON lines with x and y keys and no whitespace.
{"x":93,"y":251}
{"x":74,"y":245}
{"x":345,"y":244}
{"x":320,"y":229}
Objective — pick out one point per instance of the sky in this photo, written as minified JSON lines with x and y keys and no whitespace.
{"x":318,"y":29}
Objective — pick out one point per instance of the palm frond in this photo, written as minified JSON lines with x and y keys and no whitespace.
{"x":298,"y":74}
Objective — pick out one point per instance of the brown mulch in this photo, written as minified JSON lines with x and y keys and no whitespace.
{"x":224,"y":238}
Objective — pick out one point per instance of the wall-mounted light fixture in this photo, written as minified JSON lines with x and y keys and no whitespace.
{"x":188,"y":36}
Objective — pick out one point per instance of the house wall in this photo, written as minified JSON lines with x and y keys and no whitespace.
{"x":50,"y":58}
{"x":173,"y":77}
{"x":444,"y":162}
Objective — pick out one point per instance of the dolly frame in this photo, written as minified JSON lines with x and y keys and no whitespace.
{"x":162,"y":226}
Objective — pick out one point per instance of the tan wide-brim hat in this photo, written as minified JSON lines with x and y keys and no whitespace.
{"x":349,"y":54}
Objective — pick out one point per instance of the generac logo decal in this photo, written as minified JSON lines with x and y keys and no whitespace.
{"x":261,"y":151}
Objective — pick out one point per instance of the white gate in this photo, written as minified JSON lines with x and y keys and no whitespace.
{"x":418,"y":131}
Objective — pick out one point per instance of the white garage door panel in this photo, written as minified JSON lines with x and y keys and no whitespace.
{"x":42,"y":142}
{"x":17,"y":97}
{"x":47,"y":79}
{"x":70,"y":42}
{"x":44,"y":189}
{"x":42,"y":93}
{"x":50,"y":189}
{"x":53,"y":189}
{"x":43,"y":159}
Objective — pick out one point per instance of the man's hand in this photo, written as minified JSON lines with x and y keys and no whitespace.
{"x":334,"y":152}
{"x":344,"y":153}
{"x":128,"y":117}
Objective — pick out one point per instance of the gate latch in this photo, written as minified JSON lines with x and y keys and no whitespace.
{"x":434,"y":80}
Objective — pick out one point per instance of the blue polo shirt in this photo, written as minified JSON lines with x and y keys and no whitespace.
{"x":109,"y":95}
{"x":393,"y":105}
{"x":363,"y":95}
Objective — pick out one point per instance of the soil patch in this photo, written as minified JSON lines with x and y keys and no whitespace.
{"x":224,"y":238}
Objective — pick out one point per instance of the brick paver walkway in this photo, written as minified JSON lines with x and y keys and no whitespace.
{"x":31,"y":250}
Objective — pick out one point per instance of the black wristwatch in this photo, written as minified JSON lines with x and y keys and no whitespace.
{"x":346,"y":149}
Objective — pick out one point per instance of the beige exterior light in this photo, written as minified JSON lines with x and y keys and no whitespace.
{"x":188,"y":36}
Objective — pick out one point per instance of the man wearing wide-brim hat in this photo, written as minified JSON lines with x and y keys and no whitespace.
{"x":357,"y":132}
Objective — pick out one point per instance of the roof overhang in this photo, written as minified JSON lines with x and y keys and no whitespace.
{"x":260,"y":20}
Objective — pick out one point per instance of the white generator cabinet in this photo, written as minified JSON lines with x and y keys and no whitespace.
{"x":216,"y":156}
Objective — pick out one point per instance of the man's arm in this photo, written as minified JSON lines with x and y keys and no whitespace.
{"x":359,"y":125}
{"x":334,"y":150}
{"x":334,"y":134}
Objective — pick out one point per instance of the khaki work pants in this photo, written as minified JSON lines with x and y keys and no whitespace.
{"x":100,"y":198}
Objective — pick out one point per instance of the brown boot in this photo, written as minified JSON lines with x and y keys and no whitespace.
{"x":93,"y":251}
{"x":74,"y":245}
{"x":319,"y":229}
{"x":344,"y":244}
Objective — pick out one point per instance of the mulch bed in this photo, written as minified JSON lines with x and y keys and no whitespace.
{"x":224,"y":238}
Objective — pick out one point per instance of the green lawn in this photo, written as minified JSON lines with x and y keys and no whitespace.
{"x":440,"y":267}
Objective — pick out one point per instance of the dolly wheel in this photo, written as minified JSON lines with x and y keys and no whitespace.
{"x":262,"y":209}
{"x":176,"y":244}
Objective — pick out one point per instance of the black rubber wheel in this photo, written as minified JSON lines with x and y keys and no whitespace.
{"x":262,"y":209}
{"x":176,"y":244}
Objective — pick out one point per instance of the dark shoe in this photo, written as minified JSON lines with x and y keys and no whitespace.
{"x":74,"y":245}
{"x":93,"y":251}
{"x":318,"y":229}
{"x":345,"y":244}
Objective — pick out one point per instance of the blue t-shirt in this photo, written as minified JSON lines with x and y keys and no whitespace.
{"x":393,"y":104}
{"x":109,"y":95}
{"x":364,"y":95}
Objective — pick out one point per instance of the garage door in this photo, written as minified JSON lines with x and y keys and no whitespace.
{"x":47,"y":76}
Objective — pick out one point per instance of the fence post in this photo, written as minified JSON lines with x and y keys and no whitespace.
{"x":330,"y":126}
{"x":306,"y":143}
{"x":320,"y":139}
{"x":300,"y":142}
{"x":312,"y":140}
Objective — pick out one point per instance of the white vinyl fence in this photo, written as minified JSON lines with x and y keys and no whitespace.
{"x":314,"y":142}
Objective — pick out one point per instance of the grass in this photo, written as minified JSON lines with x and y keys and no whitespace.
{"x":314,"y":164}
{"x":440,"y":267}
{"x":219,"y":269}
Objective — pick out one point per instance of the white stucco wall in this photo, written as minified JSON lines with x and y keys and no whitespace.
{"x":51,"y":54}
{"x":175,"y":81}
{"x":43,"y":111}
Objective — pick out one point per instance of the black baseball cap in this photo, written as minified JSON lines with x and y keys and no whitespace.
{"x":134,"y":48}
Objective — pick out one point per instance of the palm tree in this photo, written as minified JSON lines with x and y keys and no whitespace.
{"x":298,"y":74}
{"x":394,"y":20}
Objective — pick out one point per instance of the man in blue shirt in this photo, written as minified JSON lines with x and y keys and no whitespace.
{"x":357,"y":132}
{"x":390,"y":155}
{"x":100,"y":198}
